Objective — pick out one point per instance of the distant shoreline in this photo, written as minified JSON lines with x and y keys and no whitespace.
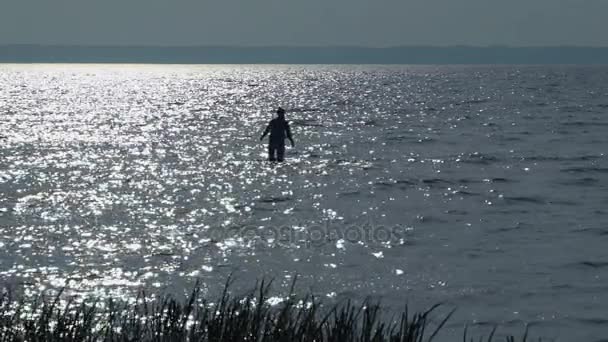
{"x":303,"y":55}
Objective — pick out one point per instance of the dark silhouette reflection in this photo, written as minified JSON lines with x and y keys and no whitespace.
{"x":279,"y":130}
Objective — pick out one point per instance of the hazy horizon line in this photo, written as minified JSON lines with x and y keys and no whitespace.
{"x":312,"y":46}
{"x":230,"y":54}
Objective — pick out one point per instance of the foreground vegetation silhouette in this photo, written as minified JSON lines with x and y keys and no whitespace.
{"x":230,"y":318}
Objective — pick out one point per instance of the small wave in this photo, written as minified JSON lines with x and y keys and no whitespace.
{"x":511,"y":139}
{"x":163,"y":254}
{"x":518,"y":226}
{"x":349,"y":193}
{"x":277,"y":199}
{"x":571,"y":109}
{"x":585,"y":169}
{"x":584,"y":123}
{"x":367,"y":123}
{"x":429,"y":219}
{"x":466,"y":193}
{"x":314,"y":155}
{"x":468,"y":181}
{"x":587,"y":157}
{"x":543,"y":158}
{"x":500,"y":180}
{"x":340,"y":103}
{"x":384,"y":184}
{"x":434,"y":181}
{"x":262,"y":209}
{"x":457,"y":212}
{"x":563,"y":202}
{"x":561,"y":158}
{"x":405,"y":182}
{"x":595,"y":231}
{"x":511,"y":211}
{"x":594,"y":264}
{"x":306,"y":123}
{"x":400,"y":183}
{"x":475,"y":101}
{"x":525,"y":199}
{"x":595,"y":321}
{"x":425,"y":140}
{"x":304,"y":110}
{"x":397,"y":138}
{"x":407,"y":139}
{"x":479,"y":158}
{"x":587,"y":181}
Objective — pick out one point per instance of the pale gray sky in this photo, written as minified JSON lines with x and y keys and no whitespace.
{"x":305,"y":22}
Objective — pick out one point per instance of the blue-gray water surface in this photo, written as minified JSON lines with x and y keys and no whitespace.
{"x":483,"y":187}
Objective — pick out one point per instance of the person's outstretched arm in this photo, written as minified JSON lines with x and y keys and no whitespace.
{"x":265,"y":132}
{"x":288,"y":130}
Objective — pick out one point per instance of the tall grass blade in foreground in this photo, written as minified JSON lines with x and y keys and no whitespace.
{"x":229,"y":318}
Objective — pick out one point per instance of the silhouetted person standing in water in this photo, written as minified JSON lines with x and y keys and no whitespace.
{"x":279,"y":130}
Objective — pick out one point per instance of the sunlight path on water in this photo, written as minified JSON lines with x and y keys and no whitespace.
{"x":454,"y":184}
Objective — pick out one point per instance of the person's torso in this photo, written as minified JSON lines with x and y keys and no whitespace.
{"x":278,"y":130}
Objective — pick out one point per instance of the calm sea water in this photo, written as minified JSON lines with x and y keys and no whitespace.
{"x":484,"y":187}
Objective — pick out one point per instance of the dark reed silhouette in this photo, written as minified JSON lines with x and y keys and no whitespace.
{"x":228,"y":318}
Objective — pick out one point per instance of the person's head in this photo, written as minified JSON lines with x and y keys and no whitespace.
{"x":281,"y":113}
